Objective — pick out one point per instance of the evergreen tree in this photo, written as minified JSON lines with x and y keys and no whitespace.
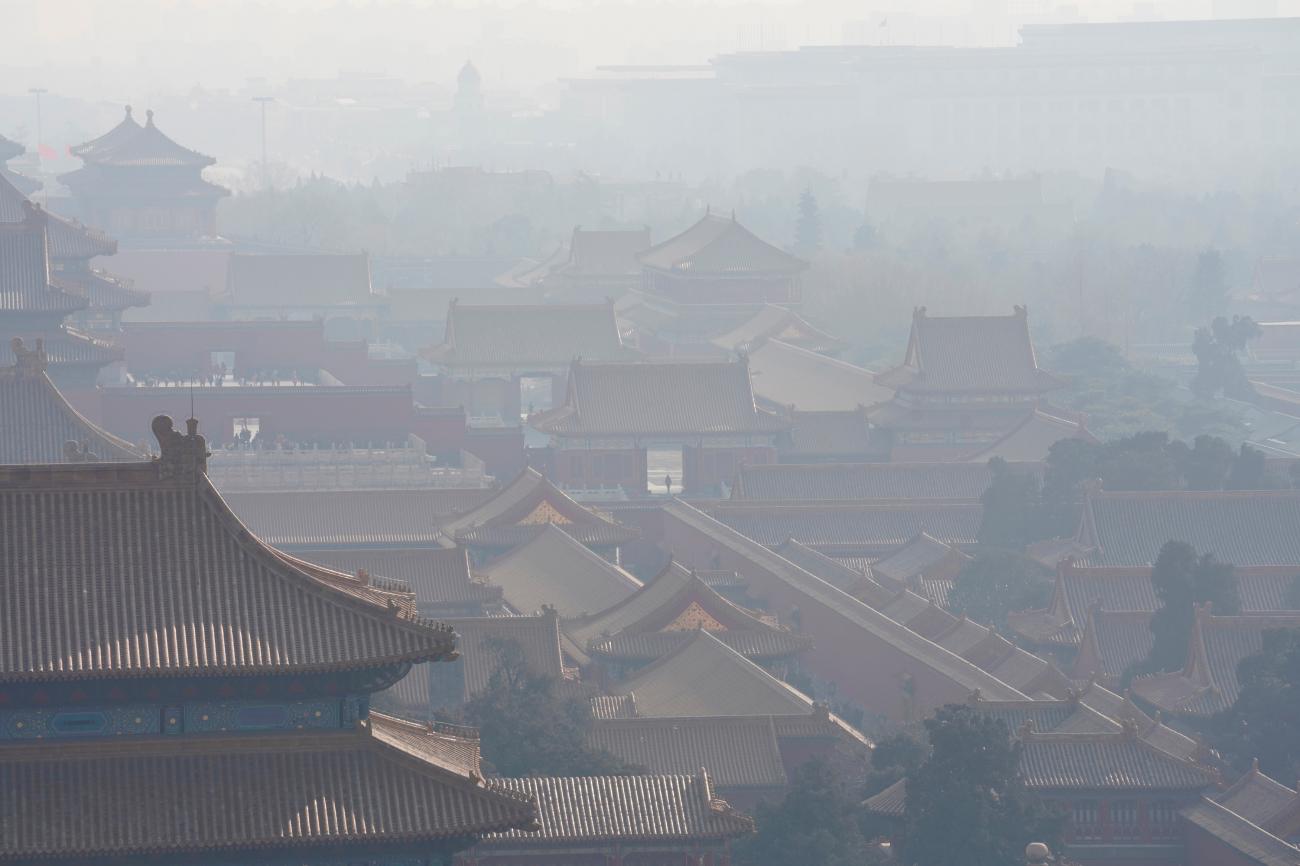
{"x":966,"y":803}
{"x":808,"y":228}
{"x":1012,"y":508}
{"x":1264,"y":721}
{"x":1183,"y":580}
{"x":997,"y":582}
{"x":526,"y":728}
{"x":1249,"y":471}
{"x":1218,"y":367}
{"x":816,"y":823}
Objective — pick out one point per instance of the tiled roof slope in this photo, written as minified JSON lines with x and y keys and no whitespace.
{"x":243,"y":610}
{"x":736,"y":752}
{"x":543,"y":336}
{"x":311,"y":280}
{"x":717,"y":245}
{"x":859,"y":481}
{"x":538,"y":636}
{"x":66,"y":239}
{"x":1112,"y":641}
{"x":386,"y":783}
{"x":953,"y":354}
{"x":24,"y":268}
{"x":554,"y":569}
{"x":658,"y":397}
{"x":130,"y":144}
{"x":774,"y":322}
{"x":664,"y":615}
{"x":37,"y":423}
{"x":1244,"y":528}
{"x":65,"y":347}
{"x":1107,"y":761}
{"x":791,"y":377}
{"x":879,"y":525}
{"x":346,"y":518}
{"x":101,"y":291}
{"x":670,"y":808}
{"x":439,"y":576}
{"x":1033,"y":438}
{"x":1240,"y":834}
{"x":525,"y":507}
{"x":607,"y":253}
{"x":1208,"y":682}
{"x":854,"y":611}
{"x":705,"y":677}
{"x":1261,"y":800}
{"x":858,"y":584}
{"x":914,"y":560}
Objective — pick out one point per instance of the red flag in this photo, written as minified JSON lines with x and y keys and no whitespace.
{"x":46,"y":151}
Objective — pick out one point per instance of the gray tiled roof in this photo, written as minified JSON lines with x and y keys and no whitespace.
{"x":878,"y":525}
{"x":141,"y":538}
{"x":544,"y":336}
{"x":554,"y":569}
{"x":859,"y":481}
{"x":389,"y":782}
{"x":37,"y":422}
{"x":718,"y":245}
{"x":644,"y":808}
{"x":438,"y":576}
{"x":787,"y":376}
{"x":736,"y":752}
{"x":1105,"y":761}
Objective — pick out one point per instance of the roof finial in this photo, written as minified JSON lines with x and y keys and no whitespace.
{"x":148,"y":117}
{"x":128,"y":111}
{"x":28,"y":362}
{"x":182,"y":456}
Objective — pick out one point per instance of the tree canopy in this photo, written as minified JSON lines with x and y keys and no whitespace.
{"x":815,"y":823}
{"x":997,"y":582}
{"x":1218,"y":367}
{"x":1264,"y":722}
{"x":966,"y":803}
{"x":1182,"y":580}
{"x":526,"y":728}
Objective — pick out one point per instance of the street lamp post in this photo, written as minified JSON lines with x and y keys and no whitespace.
{"x":266,"y":175}
{"x":40,"y":136}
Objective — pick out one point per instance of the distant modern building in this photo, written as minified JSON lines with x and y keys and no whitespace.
{"x":138,"y":184}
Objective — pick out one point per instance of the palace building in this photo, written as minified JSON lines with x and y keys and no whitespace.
{"x":208,"y":698}
{"x":138,"y":184}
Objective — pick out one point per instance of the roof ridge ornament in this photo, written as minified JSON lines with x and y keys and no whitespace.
{"x":182,"y":456}
{"x":29,"y":362}
{"x":78,"y":452}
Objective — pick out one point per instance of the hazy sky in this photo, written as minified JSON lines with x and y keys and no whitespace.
{"x":112,"y":49}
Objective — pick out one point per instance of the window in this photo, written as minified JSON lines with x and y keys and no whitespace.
{"x":1124,"y":825}
{"x":1085,"y":821}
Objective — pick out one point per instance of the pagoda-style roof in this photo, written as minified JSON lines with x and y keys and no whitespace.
{"x":439,"y":576}
{"x":1242,"y":834}
{"x":664,"y":398}
{"x":965,"y":354}
{"x":878,"y":525}
{"x":705,"y":677}
{"x":1032,"y":439}
{"x":352,"y":518}
{"x":1264,"y":802}
{"x":1245,"y":528}
{"x":856,"y":582}
{"x":67,"y":240}
{"x":524,"y":508}
{"x":719,"y":246}
{"x":665,"y":809}
{"x":795,"y":378}
{"x":863,"y":481}
{"x":39,"y":426}
{"x":386,"y":783}
{"x":1208,"y":682}
{"x":774,"y":322}
{"x":130,"y":144}
{"x":298,"y":279}
{"x":522,"y":338}
{"x":604,"y":253}
{"x":555,"y":569}
{"x":64,"y":347}
{"x":737,"y":752}
{"x":665,"y":615}
{"x":155,"y":544}
{"x":24,"y":268}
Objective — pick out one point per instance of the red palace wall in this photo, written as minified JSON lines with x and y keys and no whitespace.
{"x":867,"y":669}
